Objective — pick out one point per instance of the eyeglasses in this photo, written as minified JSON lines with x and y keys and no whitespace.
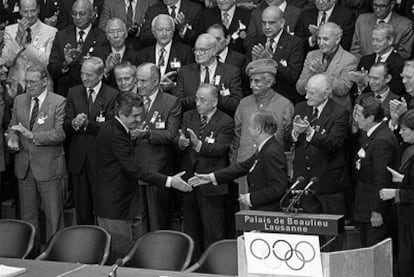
{"x":81,"y":14}
{"x":202,"y":51}
{"x":381,"y":6}
{"x":113,"y":32}
{"x":162,"y":30}
{"x":32,"y":82}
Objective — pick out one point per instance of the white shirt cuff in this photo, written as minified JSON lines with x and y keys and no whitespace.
{"x":213,"y":179}
{"x":295,"y":136}
{"x":310,"y":135}
{"x":168,"y":182}
{"x":249,"y":202}
{"x":197,"y":147}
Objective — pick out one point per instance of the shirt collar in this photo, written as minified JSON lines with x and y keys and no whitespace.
{"x":35,"y":25}
{"x":383,"y":95}
{"x":230,"y":12}
{"x":122,"y":123}
{"x":372,"y":129}
{"x":153,"y":96}
{"x":41,"y":97}
{"x":210,"y":114}
{"x":385,"y":56}
{"x":321,"y":107}
{"x":177,"y":5}
{"x":328,"y":13}
{"x":121,"y":52}
{"x":223,"y":54}
{"x":96,"y":88}
{"x":263,"y":143}
{"x":166,"y":47}
{"x":86,"y":31}
{"x":277,"y":37}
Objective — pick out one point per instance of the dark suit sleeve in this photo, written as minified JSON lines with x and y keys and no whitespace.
{"x":300,"y":29}
{"x":187,"y":102}
{"x":146,"y":37}
{"x":276,"y":179}
{"x":234,"y":171}
{"x":348,"y":31}
{"x":406,"y":194}
{"x":55,"y":59}
{"x":94,"y":126}
{"x":131,"y":164}
{"x":69,"y":115}
{"x":222,"y":141}
{"x":331,"y":140}
{"x":295,"y":61}
{"x":171,"y":127}
{"x":229,"y":103}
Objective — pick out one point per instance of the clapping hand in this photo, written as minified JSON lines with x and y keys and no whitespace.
{"x":313,"y":29}
{"x":23,"y":130}
{"x":199,"y":179}
{"x":79,"y":120}
{"x":178,"y":183}
{"x":141,"y":132}
{"x":183,"y":141}
{"x":317,"y":66}
{"x":387,"y":194}
{"x":179,"y":20}
{"x":51,"y":21}
{"x":260,"y":52}
{"x":166,"y":81}
{"x":300,"y":125}
{"x":244,"y":199}
{"x":193,"y":137}
{"x":21,"y":31}
{"x":397,"y":108}
{"x":360,"y":78}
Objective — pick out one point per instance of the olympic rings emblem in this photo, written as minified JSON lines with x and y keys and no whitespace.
{"x":294,"y":257}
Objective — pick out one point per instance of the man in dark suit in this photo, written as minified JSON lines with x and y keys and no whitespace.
{"x":116,"y":33}
{"x":383,"y":36}
{"x":378,"y":152}
{"x":318,"y":132}
{"x":235,"y":19}
{"x":118,"y":166}
{"x":49,"y":11}
{"x":183,"y":12}
{"x":285,"y":49}
{"x":65,"y":17}
{"x":167,"y":53}
{"x":208,"y":70}
{"x":325,"y":11}
{"x":72,"y":44}
{"x":88,"y":106}
{"x":155,"y":142}
{"x":204,"y":140}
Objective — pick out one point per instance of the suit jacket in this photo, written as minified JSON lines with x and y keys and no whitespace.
{"x":213,"y":154}
{"x":385,"y":103}
{"x":266,"y":176}
{"x":208,"y":17}
{"x":36,"y":52}
{"x":255,"y":28}
{"x":289,"y":57}
{"x":48,"y":8}
{"x":236,"y":59}
{"x":65,"y":12}
{"x":405,"y":194}
{"x":131,"y":56}
{"x":179,"y":51}
{"x":361,"y":42}
{"x":324,"y":156}
{"x":381,"y":150}
{"x":163,"y":119}
{"x":95,"y":41}
{"x":395,"y":63}
{"x":44,"y":154}
{"x":117,"y":169}
{"x":82,"y":141}
{"x":340,"y":15}
{"x":117,"y":8}
{"x":190,"y":10}
{"x":188,"y":81}
{"x":342,"y":63}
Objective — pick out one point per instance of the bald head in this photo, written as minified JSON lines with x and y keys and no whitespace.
{"x":318,"y":89}
{"x":29,"y":10}
{"x":272,"y":21}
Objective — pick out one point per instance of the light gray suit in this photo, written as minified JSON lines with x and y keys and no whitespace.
{"x":40,"y":163}
{"x":117,"y":8}
{"x":361,"y":42}
{"x":341,"y":64}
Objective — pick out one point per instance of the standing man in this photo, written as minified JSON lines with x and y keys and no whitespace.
{"x":126,"y":77}
{"x":155,"y":143}
{"x":118,"y":167}
{"x":318,"y":133}
{"x":73,"y":44}
{"x":27,"y":42}
{"x":208,"y":70}
{"x":330,"y":59}
{"x":380,"y":151}
{"x":88,"y":106}
{"x":36,"y":133}
{"x":204,"y":140}
{"x":287,"y":50}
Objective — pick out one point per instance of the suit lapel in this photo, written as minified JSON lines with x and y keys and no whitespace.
{"x":98,"y":105}
{"x":42,"y":111}
{"x":335,"y":60}
{"x":154,"y":107}
{"x":210,"y":125}
{"x":27,"y":110}
{"x":151,"y":55}
{"x":72,"y":36}
{"x":89,"y":41}
{"x":280,"y":47}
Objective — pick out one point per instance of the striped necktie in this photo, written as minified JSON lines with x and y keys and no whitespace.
{"x":35,"y":110}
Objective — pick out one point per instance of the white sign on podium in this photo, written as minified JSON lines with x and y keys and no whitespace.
{"x":283,"y":254}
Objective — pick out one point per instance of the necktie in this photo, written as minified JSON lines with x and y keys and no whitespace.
{"x":378,"y":97}
{"x":81,"y":41}
{"x":29,"y":35}
{"x":147,"y":103}
{"x":270,"y":45}
{"x":90,"y":99}
{"x":161,"y":61}
{"x":129,"y":14}
{"x":315,"y":112}
{"x":35,"y":110}
{"x":226,"y":19}
{"x":378,"y":59}
{"x":173,"y":14}
{"x":203,"y":124}
{"x":207,"y":76}
{"x":323,"y":19}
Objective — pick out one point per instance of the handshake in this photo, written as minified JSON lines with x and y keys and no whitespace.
{"x":198,"y":179}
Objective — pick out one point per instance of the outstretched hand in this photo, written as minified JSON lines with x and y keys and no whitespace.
{"x":178,"y":183}
{"x":199,"y":179}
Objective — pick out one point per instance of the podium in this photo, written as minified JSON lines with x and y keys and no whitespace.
{"x":375,"y":261}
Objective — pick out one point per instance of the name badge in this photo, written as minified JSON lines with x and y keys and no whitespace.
{"x":154,"y":117}
{"x":100,"y":117}
{"x":217,"y":80}
{"x":41,"y":118}
{"x":210,"y":139}
{"x":160,"y":125}
{"x":175,"y":64}
{"x":224,"y":91}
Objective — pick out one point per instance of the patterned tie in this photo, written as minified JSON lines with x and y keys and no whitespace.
{"x":29,"y":36}
{"x":323,"y":19}
{"x":90,"y":99}
{"x":270,"y":45}
{"x":173,"y":14}
{"x":147,"y":103}
{"x":378,"y":59}
{"x":207,"y":76}
{"x":161,"y":61}
{"x":203,"y":124}
{"x":226,"y":19}
{"x":35,"y":110}
{"x":129,"y":14}
{"x":315,"y":113}
{"x":81,"y":41}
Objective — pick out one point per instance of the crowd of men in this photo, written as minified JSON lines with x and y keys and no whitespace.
{"x":227,"y":101}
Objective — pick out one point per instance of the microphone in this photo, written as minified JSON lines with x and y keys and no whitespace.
{"x":299,"y":180}
{"x":117,"y":264}
{"x":312,"y":181}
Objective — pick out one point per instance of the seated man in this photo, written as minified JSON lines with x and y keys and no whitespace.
{"x":332,"y":60}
